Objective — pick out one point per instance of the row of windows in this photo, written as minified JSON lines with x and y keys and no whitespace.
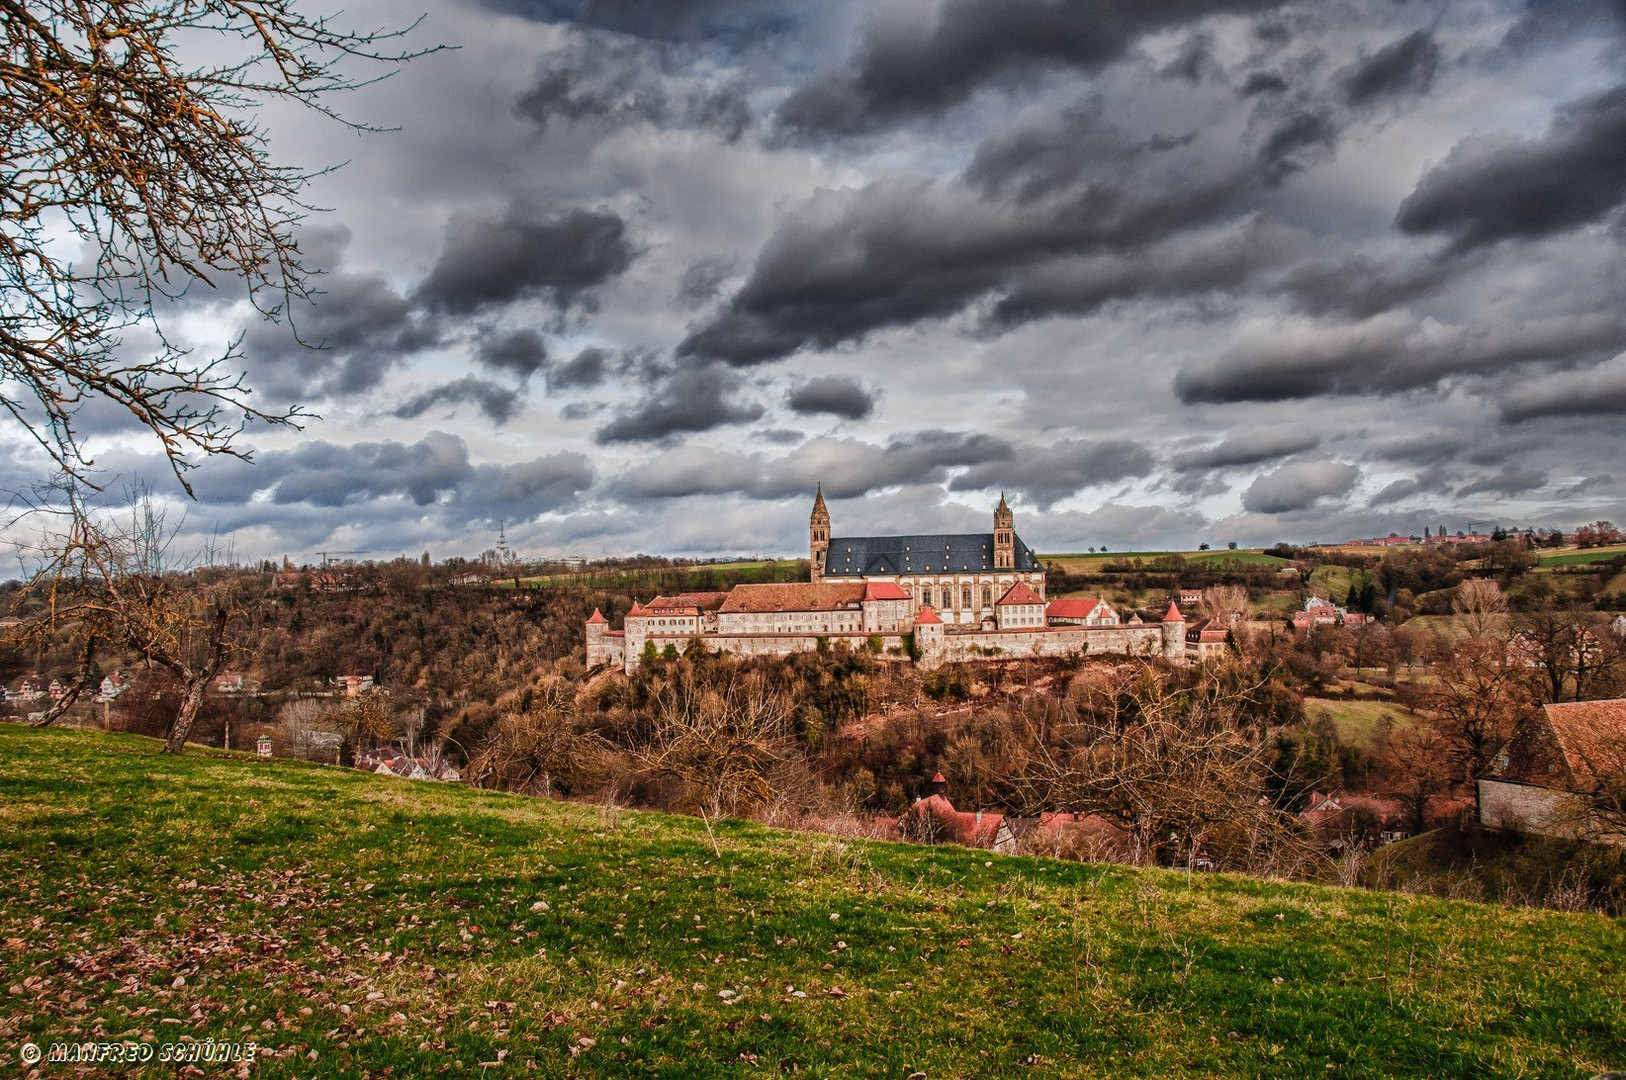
{"x":947,"y":595}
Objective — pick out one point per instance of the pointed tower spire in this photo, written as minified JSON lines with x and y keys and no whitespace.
{"x":1004,"y":535}
{"x":818,"y":535}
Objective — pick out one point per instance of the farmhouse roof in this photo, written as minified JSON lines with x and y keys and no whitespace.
{"x":1591,"y":736}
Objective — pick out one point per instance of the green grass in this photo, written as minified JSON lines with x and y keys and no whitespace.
{"x":355,"y":925}
{"x":1087,"y":563}
{"x":1359,"y":722}
{"x":752,"y":570}
{"x":1578,"y":558}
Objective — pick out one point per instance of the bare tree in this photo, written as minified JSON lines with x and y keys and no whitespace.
{"x":1475,"y":705}
{"x":542,"y":747}
{"x":1481,"y":608}
{"x":723,"y":743}
{"x":1225,"y":604}
{"x":107,"y":579}
{"x":1182,"y":770}
{"x":127,"y":122}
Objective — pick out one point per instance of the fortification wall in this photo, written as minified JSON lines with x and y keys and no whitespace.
{"x":764,"y":644}
{"x":1144,"y":640}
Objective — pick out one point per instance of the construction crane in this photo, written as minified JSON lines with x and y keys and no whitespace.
{"x":328,"y":556}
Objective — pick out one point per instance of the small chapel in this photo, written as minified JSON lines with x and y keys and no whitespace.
{"x":960,"y":576}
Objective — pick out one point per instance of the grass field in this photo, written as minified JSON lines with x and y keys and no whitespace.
{"x":1590,"y":555}
{"x":756,"y":570}
{"x":1359,"y":722}
{"x":1085,"y":563}
{"x":353,"y":925}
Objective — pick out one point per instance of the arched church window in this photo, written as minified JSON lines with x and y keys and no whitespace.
{"x":965,"y":596}
{"x":926,"y":596}
{"x":987,"y":596}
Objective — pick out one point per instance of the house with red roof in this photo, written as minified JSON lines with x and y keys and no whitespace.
{"x":1019,"y":608}
{"x":1560,"y":758}
{"x":1081,"y":611}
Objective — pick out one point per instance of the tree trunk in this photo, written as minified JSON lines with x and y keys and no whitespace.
{"x":197,"y":682}
{"x":191,"y":705}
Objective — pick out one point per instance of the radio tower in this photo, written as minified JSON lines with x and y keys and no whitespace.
{"x":502,"y":544}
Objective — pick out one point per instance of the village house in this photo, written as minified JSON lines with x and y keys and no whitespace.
{"x":1542,"y":780}
{"x":111,"y":687}
{"x":1355,"y":821}
{"x":1207,"y":639}
{"x":883,"y":593}
{"x":1320,"y":612}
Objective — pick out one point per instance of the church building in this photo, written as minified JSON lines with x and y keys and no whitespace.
{"x":960,"y":576}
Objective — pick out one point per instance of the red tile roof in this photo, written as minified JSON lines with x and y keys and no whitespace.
{"x":1173,"y":614}
{"x":1020,"y":593}
{"x":958,"y":826}
{"x":799,"y":596}
{"x":1073,"y":607}
{"x":927,"y":617}
{"x":598,"y":617}
{"x":1591,"y":735}
{"x":884,"y":590}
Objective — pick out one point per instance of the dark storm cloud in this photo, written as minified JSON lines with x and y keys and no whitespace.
{"x":1598,"y":391}
{"x":1050,"y":155}
{"x":524,"y":253}
{"x":522,"y":352}
{"x":583,"y":371}
{"x":910,"y":64}
{"x":702,"y":282}
{"x":1215,"y":260}
{"x":904,"y":251}
{"x":688,"y":400}
{"x":732,"y":21}
{"x":1263,"y":82}
{"x":1495,"y":188}
{"x":1407,"y":66}
{"x":847,"y":468}
{"x":369,"y":479}
{"x":836,"y":395}
{"x":612,"y":81}
{"x":1048,"y":474}
{"x":1248,"y":448}
{"x":1298,"y":485}
{"x":1303,"y":139}
{"x":342,"y":342}
{"x":1390,"y":354}
{"x":1511,"y":481}
{"x":498,"y":402}
{"x":1360,"y":286}
{"x":1554,"y":22}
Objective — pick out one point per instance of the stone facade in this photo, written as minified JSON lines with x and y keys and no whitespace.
{"x":960,"y":576}
{"x":869,"y":589}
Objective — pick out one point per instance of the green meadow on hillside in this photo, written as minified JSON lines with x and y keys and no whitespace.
{"x":355,"y":925}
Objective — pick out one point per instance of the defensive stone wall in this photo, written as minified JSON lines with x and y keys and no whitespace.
{"x":956,"y":648}
{"x":762,"y":644}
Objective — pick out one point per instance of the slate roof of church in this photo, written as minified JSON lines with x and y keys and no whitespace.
{"x":925,"y":553}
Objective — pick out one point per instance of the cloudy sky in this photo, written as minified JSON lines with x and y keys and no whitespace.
{"x":633,"y":276}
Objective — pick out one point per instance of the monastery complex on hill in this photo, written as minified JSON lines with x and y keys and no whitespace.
{"x":960,"y":597}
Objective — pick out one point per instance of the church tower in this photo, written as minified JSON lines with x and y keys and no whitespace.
{"x":818,"y":534}
{"x":1004,"y":536}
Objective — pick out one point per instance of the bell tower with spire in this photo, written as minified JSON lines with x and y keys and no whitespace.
{"x":1004,"y":536}
{"x":818,"y":534}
